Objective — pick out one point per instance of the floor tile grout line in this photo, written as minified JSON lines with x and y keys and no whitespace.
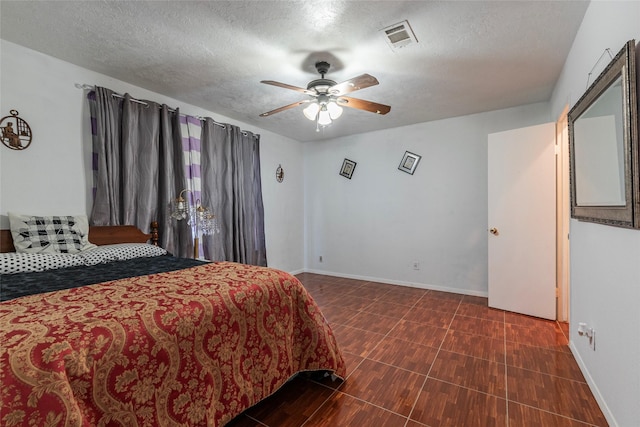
{"x":472,"y":356}
{"x":540,"y":346}
{"x":373,"y":404}
{"x":555,"y":413}
{"x":386,"y":335}
{"x":347,"y":320}
{"x":415,"y":402}
{"x":256,"y":420}
{"x":388,"y":332}
{"x":394,"y":366}
{"x":528,"y":344}
{"x":506,"y":372}
{"x":461,"y":331}
{"x":428,"y":376}
{"x":413,"y":407}
{"x":333,"y":393}
{"x":506,"y":400}
{"x":439,"y":350}
{"x":549,"y":375}
{"x":474,"y":390}
{"x":337,"y":390}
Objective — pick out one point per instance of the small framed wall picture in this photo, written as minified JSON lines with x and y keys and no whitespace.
{"x":348,"y":166}
{"x":409,"y":162}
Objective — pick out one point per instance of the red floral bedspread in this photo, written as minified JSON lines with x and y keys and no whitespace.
{"x":192,"y":347}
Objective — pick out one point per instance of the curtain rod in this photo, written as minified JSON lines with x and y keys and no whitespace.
{"x":117,"y":95}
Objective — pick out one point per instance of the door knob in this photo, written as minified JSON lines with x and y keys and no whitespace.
{"x":494,"y":231}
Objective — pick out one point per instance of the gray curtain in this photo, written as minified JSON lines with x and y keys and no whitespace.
{"x":138,"y":167}
{"x":230,"y":161}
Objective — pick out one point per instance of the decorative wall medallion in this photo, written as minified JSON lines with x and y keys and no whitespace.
{"x":16,"y":133}
{"x":279,"y":174}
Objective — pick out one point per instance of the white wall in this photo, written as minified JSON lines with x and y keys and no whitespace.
{"x":283,"y":202}
{"x":376,"y":225}
{"x":51,"y":176}
{"x":605,"y":261}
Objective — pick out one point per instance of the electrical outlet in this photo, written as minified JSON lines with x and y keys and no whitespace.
{"x":320,"y":258}
{"x":585,"y":331}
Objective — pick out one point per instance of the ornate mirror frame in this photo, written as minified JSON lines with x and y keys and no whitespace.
{"x":588,"y":121}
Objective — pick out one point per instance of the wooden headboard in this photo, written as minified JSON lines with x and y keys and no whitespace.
{"x":99,"y":235}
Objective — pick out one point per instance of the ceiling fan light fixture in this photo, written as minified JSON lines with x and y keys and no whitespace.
{"x":334,"y":109}
{"x":311,"y":112}
{"x":324,"y":118}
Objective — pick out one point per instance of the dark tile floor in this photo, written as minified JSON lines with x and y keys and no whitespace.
{"x":426,"y":358}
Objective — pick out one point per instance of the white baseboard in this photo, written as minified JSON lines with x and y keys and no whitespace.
{"x":399,"y":282}
{"x":592,"y":385}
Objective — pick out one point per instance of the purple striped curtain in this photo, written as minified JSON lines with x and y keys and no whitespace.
{"x":191,"y":130}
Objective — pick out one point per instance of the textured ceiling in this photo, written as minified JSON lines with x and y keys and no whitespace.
{"x":471,"y":56}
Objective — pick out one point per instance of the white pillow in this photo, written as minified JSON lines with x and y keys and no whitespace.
{"x":119,"y":252}
{"x":50,"y":234}
{"x":14,"y":262}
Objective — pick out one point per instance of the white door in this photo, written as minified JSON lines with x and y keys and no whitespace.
{"x":522,"y":221}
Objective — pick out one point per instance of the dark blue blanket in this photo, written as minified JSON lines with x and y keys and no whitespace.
{"x":23,"y":284}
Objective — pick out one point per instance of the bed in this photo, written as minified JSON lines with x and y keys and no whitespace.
{"x":192,"y":346}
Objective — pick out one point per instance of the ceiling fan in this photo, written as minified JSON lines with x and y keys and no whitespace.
{"x":327,"y":97}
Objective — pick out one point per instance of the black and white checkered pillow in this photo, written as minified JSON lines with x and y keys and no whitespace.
{"x":120,"y":252}
{"x":51,"y":234}
{"x":15,"y":262}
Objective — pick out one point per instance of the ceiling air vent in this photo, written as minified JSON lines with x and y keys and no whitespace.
{"x":400,"y":35}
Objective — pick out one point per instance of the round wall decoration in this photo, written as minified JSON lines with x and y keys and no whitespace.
{"x":279,"y":174}
{"x":16,"y":133}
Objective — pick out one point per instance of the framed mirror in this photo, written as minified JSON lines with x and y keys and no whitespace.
{"x":603,"y":146}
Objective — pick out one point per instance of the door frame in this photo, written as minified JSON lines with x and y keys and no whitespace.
{"x":563,"y":216}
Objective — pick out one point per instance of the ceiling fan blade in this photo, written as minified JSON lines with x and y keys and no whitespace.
{"x":353,"y":84}
{"x":286,"y":107}
{"x":361,"y":104}
{"x":286,"y":86}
